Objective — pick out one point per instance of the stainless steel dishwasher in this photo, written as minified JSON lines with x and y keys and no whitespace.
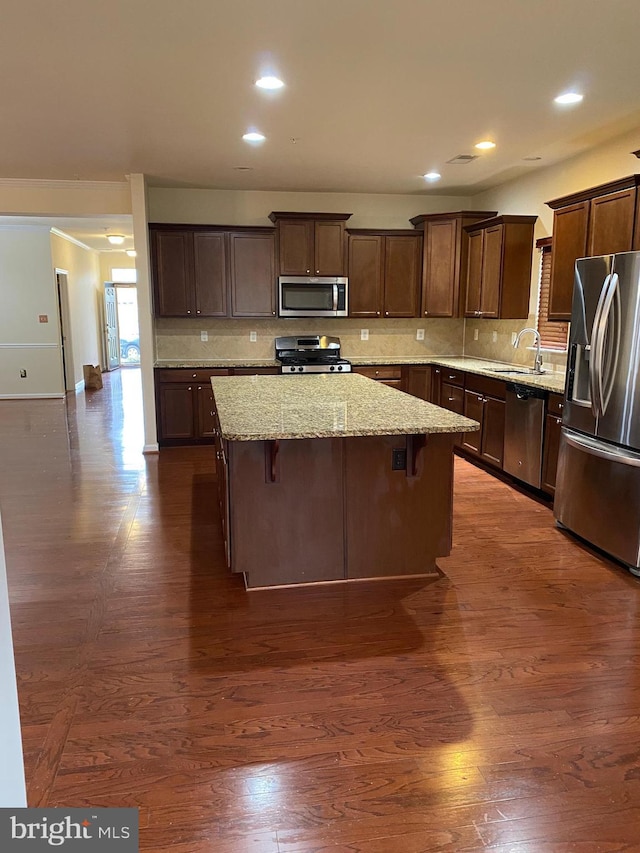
{"x":523,"y":433}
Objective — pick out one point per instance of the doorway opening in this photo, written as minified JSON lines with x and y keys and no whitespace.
{"x":64,"y":319}
{"x":127,"y":303}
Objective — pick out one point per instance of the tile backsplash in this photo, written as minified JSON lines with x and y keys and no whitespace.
{"x":178,"y":339}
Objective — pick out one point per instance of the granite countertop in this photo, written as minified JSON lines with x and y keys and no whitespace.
{"x":547,"y":381}
{"x":263,"y":408}
{"x":217,"y":362}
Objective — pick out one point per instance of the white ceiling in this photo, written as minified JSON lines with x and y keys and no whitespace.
{"x":378,"y":91}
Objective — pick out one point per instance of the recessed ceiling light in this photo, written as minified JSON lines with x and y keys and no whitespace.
{"x":432,"y":176}
{"x":115,"y":239}
{"x":569,"y":98}
{"x":485,"y":145}
{"x":132,"y":253}
{"x":269,"y":82}
{"x":254,"y":136}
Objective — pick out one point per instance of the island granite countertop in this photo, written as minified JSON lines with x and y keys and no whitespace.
{"x":267,"y":408}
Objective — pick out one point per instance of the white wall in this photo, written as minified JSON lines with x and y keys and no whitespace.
{"x":109,"y":260}
{"x":63,"y":198}
{"x":12,"y":784}
{"x":26,"y":291}
{"x":235,"y":207}
{"x":85,"y":300}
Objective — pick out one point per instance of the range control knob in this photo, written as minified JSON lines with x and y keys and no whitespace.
{"x":292,"y":369}
{"x":333,"y":367}
{"x":300,"y":369}
{"x":339,"y":367}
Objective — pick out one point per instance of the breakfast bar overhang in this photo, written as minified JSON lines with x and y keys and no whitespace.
{"x":332,"y":478}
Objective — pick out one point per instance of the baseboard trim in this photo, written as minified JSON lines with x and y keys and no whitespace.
{"x":151,"y":448}
{"x":32,"y":396}
{"x":79,"y":386}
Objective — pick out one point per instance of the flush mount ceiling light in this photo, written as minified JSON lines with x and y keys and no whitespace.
{"x":132,"y":253}
{"x":115,"y":239}
{"x":568,"y":98}
{"x":432,"y":176}
{"x":269,"y":82}
{"x":485,"y":145}
{"x":254,"y":136}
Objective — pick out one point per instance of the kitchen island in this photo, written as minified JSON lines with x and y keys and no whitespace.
{"x":332,"y":478}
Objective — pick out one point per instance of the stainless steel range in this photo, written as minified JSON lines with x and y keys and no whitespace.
{"x":310,"y":354}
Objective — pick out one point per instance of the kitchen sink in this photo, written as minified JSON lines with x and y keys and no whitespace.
{"x":509,"y":372}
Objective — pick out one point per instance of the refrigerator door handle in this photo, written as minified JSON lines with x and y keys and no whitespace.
{"x":595,"y":362}
{"x":610,"y":335}
{"x":596,"y":448}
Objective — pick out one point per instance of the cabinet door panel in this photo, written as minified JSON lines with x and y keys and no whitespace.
{"x":177,"y":416}
{"x":419,"y":382}
{"x":402,"y":276}
{"x":552,"y":431}
{"x":569,"y":242}
{"x":253,"y":280}
{"x":296,"y":246}
{"x":210,"y":273}
{"x":493,"y":431}
{"x":474,"y":409}
{"x":172,"y":273}
{"x":611,"y":223}
{"x":365,"y":275}
{"x":452,"y":398}
{"x":491,"y":271}
{"x":474,"y":273}
{"x":329,"y":256}
{"x":206,"y":412}
{"x":439,"y":281}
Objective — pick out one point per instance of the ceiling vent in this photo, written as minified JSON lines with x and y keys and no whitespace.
{"x":462,"y":159}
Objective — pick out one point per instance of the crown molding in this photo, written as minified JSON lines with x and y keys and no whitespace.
{"x":70,"y":239}
{"x":41,"y":184}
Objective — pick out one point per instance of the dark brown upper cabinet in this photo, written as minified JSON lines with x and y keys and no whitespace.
{"x":213,"y":271}
{"x":444,"y":260}
{"x":498,"y":275}
{"x":597,"y":221}
{"x":384,"y":273}
{"x":311,"y":243}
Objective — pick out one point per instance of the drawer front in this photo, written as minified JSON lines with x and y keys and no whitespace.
{"x":255,"y":371}
{"x":555,"y":404}
{"x":453,"y":377}
{"x":383,"y":371}
{"x":188,"y":374}
{"x":487,"y":386}
{"x":452,"y":397}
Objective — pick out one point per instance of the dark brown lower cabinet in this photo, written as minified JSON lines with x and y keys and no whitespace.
{"x":484,"y":402}
{"x":185,"y":412}
{"x":552,"y":430}
{"x":388,"y":374}
{"x":417,"y":381}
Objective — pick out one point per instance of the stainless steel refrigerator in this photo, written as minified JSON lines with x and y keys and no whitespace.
{"x":598,"y":481}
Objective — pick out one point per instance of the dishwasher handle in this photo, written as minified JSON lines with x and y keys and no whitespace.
{"x":526,"y":392}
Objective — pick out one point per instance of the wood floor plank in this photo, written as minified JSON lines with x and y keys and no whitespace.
{"x":496,"y":707}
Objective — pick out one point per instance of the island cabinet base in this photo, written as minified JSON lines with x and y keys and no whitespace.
{"x":336,"y":509}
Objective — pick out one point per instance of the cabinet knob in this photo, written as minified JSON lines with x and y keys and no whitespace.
{"x":308,"y":270}
{"x":561,"y":405}
{"x":437,"y":370}
{"x":480,"y":400}
{"x":386,"y":313}
{"x":273,"y":312}
{"x":194,"y":375}
{"x":377,"y":373}
{"x":189,"y":388}
{"x":199,"y":387}
{"x":198,"y":311}
{"x":377,"y":313}
{"x":188,"y":311}
{"x":317,"y":272}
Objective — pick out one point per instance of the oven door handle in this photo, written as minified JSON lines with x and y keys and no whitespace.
{"x":335,"y":297}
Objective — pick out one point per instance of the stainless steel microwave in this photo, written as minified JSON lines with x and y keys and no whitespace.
{"x":313,"y":296}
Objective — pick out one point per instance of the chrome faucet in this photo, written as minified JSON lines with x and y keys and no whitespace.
{"x":537,"y":364}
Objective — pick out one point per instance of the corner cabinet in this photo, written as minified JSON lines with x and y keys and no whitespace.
{"x":311,"y":243}
{"x":597,"y":221}
{"x":484,"y":401}
{"x":384,"y":273}
{"x":213,"y":271}
{"x":498,"y":276}
{"x":444,"y":260}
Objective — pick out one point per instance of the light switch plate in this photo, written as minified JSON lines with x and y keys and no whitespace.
{"x":494,"y":337}
{"x":475,"y":334}
{"x":420,"y":334}
{"x":253,"y":337}
{"x":364,"y":334}
{"x":204,"y":336}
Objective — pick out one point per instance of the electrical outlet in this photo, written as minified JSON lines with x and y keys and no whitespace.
{"x":23,"y":373}
{"x":420,"y":335}
{"x":494,"y":337}
{"x":204,"y":336}
{"x":364,"y":334}
{"x":253,"y":337}
{"x":513,"y":338}
{"x":475,"y":334}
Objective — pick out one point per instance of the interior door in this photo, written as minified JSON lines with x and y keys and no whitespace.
{"x":112,"y":343}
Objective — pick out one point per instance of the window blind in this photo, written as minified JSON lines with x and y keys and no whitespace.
{"x":553,"y":334}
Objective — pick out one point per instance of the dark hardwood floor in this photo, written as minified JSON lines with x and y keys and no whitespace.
{"x":495,"y":708}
